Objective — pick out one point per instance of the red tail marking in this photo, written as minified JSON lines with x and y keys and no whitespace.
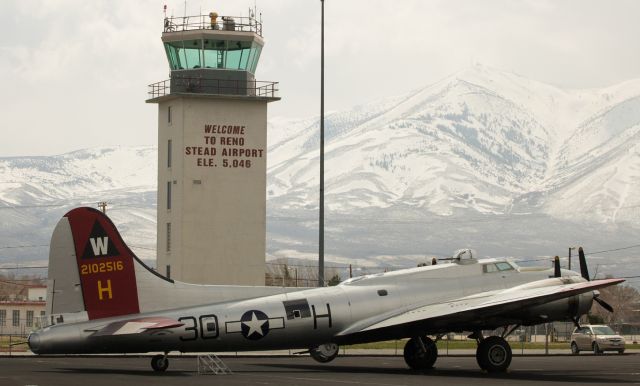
{"x":105,"y":265}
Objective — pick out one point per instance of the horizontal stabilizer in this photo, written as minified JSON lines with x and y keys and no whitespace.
{"x":137,"y":326}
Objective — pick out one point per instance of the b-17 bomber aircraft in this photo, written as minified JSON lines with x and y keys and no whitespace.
{"x":102,"y":299}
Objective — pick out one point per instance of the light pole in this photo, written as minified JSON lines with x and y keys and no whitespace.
{"x":570,"y":249}
{"x":321,"y":219}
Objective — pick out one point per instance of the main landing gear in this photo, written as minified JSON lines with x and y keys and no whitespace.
{"x":493,"y":353}
{"x":159,"y":362}
{"x":420,"y":353}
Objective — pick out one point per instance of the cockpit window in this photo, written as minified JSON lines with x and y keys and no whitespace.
{"x":495,"y":267}
{"x":488,"y":268}
{"x":504,"y":266}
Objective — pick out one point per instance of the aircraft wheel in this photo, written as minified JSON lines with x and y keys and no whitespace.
{"x":159,"y":362}
{"x":325,"y":352}
{"x":494,"y":354}
{"x":419,"y":358}
{"x":574,"y":349}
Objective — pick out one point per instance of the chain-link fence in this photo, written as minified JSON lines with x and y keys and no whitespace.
{"x":306,"y":275}
{"x":21,"y":321}
{"x":13,"y":343}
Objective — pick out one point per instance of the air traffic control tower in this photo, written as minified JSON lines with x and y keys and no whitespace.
{"x":212,"y":151}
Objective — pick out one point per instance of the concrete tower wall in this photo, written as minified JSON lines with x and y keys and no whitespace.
{"x":216,"y":179}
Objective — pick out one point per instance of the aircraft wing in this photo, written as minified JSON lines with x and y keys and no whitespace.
{"x":471,"y":311}
{"x":136,"y":326}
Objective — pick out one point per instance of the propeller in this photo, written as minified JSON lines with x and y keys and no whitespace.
{"x":583,"y":264}
{"x":604,"y":304}
{"x":585,"y":274}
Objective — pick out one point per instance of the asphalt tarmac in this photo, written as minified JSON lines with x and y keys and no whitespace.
{"x":351,"y":370}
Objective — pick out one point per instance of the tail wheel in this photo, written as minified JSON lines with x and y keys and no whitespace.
{"x":494,"y":354}
{"x":325,"y":352}
{"x":420,"y":353}
{"x":574,"y":348}
{"x":159,"y":362}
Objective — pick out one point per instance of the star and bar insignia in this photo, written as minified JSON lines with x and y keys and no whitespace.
{"x":254,"y":325}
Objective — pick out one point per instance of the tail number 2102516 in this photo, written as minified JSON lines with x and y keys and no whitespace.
{"x":107,"y":266}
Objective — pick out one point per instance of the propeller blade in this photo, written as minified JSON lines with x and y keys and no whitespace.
{"x":583,"y":265}
{"x":604,"y":304}
{"x":556,"y":267}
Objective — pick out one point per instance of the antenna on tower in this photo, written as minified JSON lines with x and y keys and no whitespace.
{"x":184,"y":17}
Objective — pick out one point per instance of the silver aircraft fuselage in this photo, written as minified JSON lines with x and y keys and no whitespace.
{"x":310,"y":317}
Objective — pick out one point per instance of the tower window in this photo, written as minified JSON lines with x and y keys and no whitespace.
{"x":169,"y":153}
{"x":168,"y":243}
{"x":168,"y":114}
{"x":169,"y":195}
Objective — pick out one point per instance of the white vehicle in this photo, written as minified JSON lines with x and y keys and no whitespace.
{"x":596,"y":338}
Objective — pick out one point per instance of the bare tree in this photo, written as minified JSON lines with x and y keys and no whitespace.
{"x":624,"y":299}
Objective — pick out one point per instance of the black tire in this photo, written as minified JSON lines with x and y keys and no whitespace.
{"x":417,"y":358}
{"x":574,"y":349}
{"x":494,"y":354}
{"x":620,"y":352}
{"x":159,"y":363}
{"x":325,"y":352}
{"x":596,"y":349}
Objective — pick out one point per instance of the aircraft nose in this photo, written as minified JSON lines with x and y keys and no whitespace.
{"x":34,"y":342}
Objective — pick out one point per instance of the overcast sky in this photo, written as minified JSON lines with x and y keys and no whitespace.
{"x":74,"y":73}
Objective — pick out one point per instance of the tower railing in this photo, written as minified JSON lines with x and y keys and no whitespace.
{"x":202,"y":85}
{"x":223,"y":23}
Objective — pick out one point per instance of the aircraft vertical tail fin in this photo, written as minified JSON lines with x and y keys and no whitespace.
{"x":104,"y":281}
{"x":93,"y":274}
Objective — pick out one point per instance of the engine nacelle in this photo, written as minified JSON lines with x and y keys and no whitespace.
{"x":563,"y":309}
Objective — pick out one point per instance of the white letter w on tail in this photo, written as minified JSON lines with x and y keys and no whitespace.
{"x":99,"y":245}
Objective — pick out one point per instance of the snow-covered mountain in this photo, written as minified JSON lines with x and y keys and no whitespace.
{"x":483,"y":158}
{"x":36,"y":191}
{"x":481,"y":140}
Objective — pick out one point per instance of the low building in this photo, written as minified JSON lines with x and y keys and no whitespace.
{"x":20,"y":314}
